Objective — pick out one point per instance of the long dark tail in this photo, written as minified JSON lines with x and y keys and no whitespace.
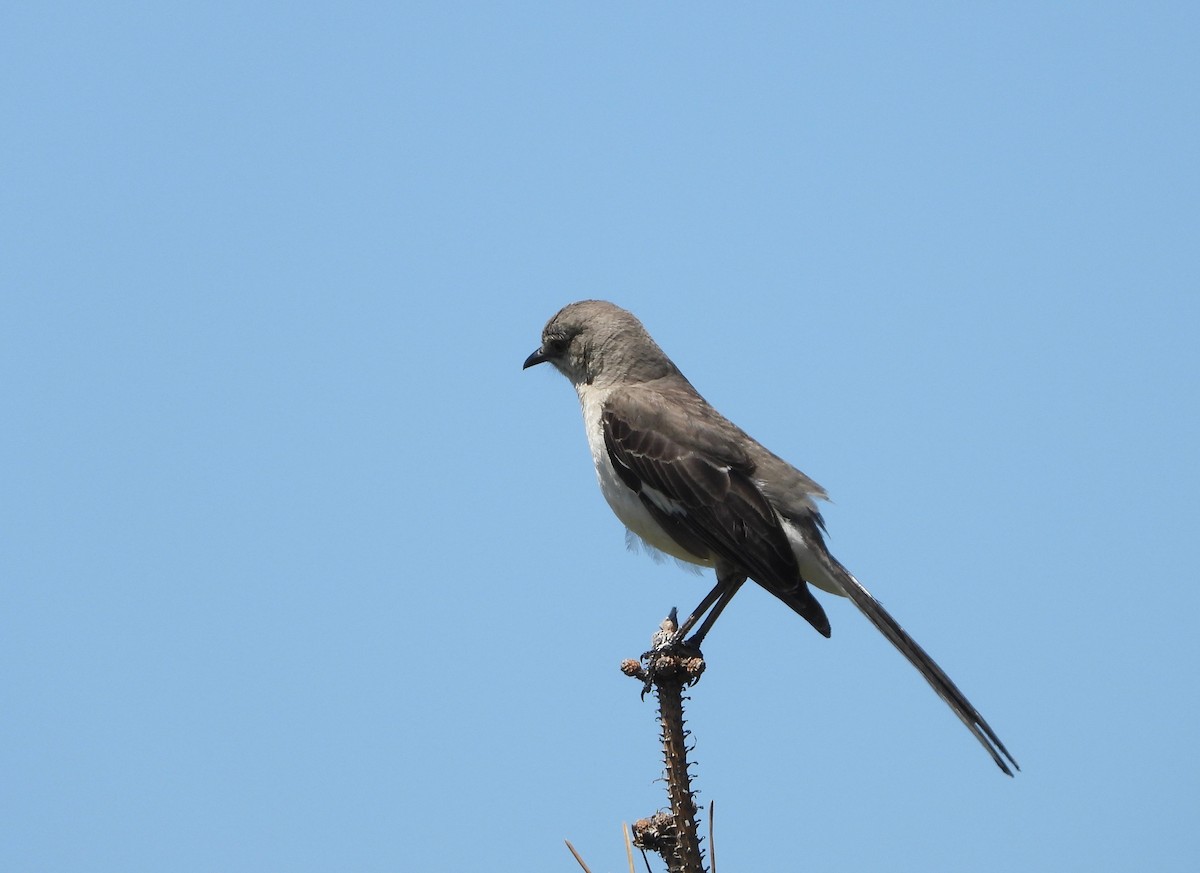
{"x":919,"y":658}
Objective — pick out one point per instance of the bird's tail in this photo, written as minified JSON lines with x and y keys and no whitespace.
{"x":919,"y":658}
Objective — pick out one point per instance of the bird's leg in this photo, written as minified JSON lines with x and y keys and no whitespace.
{"x":722,"y":593}
{"x":671,"y":640}
{"x":728,"y":589}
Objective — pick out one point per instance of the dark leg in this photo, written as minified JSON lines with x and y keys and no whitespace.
{"x":730,"y":589}
{"x":722,"y":593}
{"x":668,"y":646}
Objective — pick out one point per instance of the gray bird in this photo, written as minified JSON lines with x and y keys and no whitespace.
{"x":690,"y":483}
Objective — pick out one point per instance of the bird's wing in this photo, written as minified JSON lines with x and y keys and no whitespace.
{"x":685,"y":464}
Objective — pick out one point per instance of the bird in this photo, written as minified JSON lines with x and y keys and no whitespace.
{"x":688,"y":482}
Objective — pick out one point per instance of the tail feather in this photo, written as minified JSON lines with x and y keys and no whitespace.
{"x":919,"y":658}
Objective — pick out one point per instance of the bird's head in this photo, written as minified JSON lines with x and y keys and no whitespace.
{"x":596,"y":342}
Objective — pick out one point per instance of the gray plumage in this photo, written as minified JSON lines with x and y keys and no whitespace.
{"x":694,"y":485}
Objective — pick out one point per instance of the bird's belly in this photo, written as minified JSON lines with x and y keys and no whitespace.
{"x":628,"y":507}
{"x":625,"y":503}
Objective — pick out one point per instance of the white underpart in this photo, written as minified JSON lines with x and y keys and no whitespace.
{"x":628,"y":506}
{"x":812,"y":568}
{"x":625,"y":503}
{"x":634,"y":543}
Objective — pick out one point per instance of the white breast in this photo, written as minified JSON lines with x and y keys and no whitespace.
{"x":624,"y":502}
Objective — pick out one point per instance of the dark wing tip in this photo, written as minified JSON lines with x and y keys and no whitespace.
{"x":801,"y":601}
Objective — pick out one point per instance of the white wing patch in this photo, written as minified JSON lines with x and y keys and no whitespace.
{"x":662,"y":501}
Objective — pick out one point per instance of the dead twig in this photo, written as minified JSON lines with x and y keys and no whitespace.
{"x":668,"y":667}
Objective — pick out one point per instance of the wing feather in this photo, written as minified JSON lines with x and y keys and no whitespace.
{"x":722,"y":513}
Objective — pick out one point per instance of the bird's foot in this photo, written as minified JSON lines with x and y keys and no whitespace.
{"x":671,"y":658}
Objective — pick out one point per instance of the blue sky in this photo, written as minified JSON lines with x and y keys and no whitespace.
{"x":301,"y":572}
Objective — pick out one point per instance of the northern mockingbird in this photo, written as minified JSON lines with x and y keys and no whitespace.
{"x":692,"y":484}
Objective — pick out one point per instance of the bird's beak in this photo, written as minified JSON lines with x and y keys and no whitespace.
{"x":536,"y":358}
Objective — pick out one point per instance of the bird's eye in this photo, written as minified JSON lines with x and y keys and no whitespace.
{"x":556,"y":345}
